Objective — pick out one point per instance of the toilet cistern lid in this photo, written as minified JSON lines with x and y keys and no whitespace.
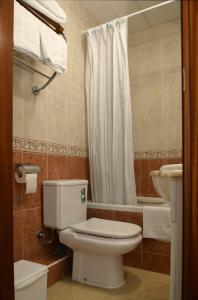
{"x":107,"y":228}
{"x":66,"y":182}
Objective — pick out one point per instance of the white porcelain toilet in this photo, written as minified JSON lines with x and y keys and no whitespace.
{"x":98,"y":244}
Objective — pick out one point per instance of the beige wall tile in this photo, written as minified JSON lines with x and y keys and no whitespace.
{"x":56,"y":119}
{"x":34,"y":109}
{"x":77,"y":123}
{"x":17,"y":102}
{"x":58,"y":113}
{"x":155,"y":78}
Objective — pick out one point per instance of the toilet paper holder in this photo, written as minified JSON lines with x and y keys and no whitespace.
{"x":28,"y":169}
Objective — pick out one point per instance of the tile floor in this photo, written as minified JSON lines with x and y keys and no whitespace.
{"x":140,"y":285}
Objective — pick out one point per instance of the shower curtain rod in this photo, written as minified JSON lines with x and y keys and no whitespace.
{"x":141,"y":11}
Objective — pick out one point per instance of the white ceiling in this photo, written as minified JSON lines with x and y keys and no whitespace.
{"x":106,"y":10}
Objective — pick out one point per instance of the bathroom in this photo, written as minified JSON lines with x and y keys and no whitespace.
{"x":54,"y":149}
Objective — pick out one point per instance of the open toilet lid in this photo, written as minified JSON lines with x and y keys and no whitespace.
{"x":107,"y":228}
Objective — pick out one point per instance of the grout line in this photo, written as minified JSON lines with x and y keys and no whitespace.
{"x":141,"y":253}
{"x":23,"y":251}
{"x":47,"y":155}
{"x":37,"y":207}
{"x":22,"y":197}
{"x":47,"y":166}
{"x":19,"y":210}
{"x":155,"y":253}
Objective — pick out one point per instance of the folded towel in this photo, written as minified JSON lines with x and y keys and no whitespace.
{"x":156,"y":223}
{"x":26,"y":32}
{"x":53,"y":49}
{"x":50,"y":9}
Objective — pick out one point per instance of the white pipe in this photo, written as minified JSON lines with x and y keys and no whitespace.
{"x":140,"y":11}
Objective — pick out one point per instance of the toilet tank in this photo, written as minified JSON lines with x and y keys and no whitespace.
{"x":64,"y":202}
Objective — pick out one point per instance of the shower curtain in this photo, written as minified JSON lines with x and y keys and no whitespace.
{"x":109,"y":114}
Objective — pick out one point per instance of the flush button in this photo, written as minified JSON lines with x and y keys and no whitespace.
{"x":83,"y":195}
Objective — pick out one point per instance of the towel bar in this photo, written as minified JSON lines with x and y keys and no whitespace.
{"x":55,"y":27}
{"x":35,"y":89}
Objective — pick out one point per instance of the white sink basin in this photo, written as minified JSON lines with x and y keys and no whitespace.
{"x":161,"y":182}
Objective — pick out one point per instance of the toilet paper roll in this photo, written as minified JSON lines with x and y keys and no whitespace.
{"x":29,"y":179}
{"x":31,"y":183}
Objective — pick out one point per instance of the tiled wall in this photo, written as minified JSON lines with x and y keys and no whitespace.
{"x":155,"y":79}
{"x":156,"y":88}
{"x":49,"y":131}
{"x":58,"y":114}
{"x":28,"y":208}
{"x":151,"y":255}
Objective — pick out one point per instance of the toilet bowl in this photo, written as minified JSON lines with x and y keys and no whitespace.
{"x":98,"y":244}
{"x":98,"y":249}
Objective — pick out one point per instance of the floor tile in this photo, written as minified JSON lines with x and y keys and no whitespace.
{"x":140,"y":285}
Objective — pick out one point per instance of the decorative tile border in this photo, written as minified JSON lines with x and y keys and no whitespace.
{"x":28,"y":145}
{"x":158,"y":154}
{"x":35,"y":146}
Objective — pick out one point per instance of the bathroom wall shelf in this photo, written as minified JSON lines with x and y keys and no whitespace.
{"x":35,"y":89}
{"x":53,"y":26}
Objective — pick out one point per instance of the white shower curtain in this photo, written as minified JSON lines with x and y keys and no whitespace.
{"x":109,"y":114}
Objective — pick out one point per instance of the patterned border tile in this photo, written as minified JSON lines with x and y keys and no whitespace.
{"x":28,"y":145}
{"x":54,"y":148}
{"x":154,"y":154}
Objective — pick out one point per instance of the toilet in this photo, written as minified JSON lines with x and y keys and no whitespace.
{"x":97,"y":244}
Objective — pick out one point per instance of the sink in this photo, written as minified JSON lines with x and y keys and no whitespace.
{"x":162,"y":182}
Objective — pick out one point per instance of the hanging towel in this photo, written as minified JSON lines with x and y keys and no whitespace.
{"x":26,"y":32}
{"x":50,"y":9}
{"x":53,"y":49}
{"x":156,"y":223}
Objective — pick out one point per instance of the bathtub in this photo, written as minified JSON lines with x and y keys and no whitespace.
{"x":138,"y":207}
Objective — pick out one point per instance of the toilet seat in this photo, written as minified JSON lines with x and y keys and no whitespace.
{"x":97,"y":244}
{"x":102,"y":236}
{"x":107,"y":228}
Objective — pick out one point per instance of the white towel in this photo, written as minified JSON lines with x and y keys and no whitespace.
{"x":156,"y":223}
{"x":50,"y":9}
{"x":26,"y":32}
{"x":53,"y":49}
